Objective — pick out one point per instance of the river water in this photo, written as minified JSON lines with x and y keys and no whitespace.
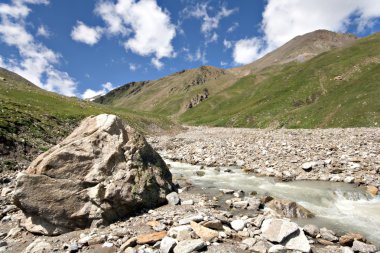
{"x":337,"y":206}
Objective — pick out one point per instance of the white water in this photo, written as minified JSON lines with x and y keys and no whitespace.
{"x":337,"y":206}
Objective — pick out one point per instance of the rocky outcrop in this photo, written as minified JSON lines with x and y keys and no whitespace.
{"x":100,"y":173}
{"x":198,"y":99}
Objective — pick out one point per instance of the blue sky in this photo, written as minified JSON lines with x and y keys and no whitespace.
{"x":87,"y":47}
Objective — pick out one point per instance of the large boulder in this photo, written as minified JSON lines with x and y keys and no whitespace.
{"x":102,"y":172}
{"x":289,"y":209}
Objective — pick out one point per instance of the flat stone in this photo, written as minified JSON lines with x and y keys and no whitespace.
{"x":308,"y":166}
{"x":249,"y":241}
{"x":240,"y":204}
{"x":227,"y":191}
{"x":204,"y":233}
{"x":167,"y":245}
{"x":196,"y":218}
{"x":213,"y":224}
{"x":277,"y":249}
{"x":173,"y":231}
{"x":363,"y":247}
{"x":238,"y":225}
{"x":151,"y":238}
{"x":187,"y":202}
{"x":131,"y":242}
{"x":38,"y":246}
{"x":189,"y":246}
{"x":276,"y":230}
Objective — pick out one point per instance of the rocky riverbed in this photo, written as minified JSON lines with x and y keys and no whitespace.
{"x":195,"y":220}
{"x":340,"y":155}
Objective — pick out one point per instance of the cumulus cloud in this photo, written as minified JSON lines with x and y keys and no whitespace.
{"x":36,"y":62}
{"x":86,"y":34}
{"x":209,"y":23}
{"x":89,"y":93}
{"x":283,"y":20}
{"x":247,"y":50}
{"x":144,"y":27}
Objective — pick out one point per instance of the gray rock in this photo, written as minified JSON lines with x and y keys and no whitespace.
{"x":104,"y":170}
{"x":276,"y":230}
{"x":173,"y":231}
{"x":249,"y":241}
{"x":346,"y":250}
{"x":238,"y":225}
{"x":308,"y":166}
{"x":261,"y":246}
{"x":187,"y":220}
{"x":289,"y":209}
{"x":189,"y":246}
{"x":167,"y":245}
{"x":328,"y":235}
{"x":259,"y":220}
{"x":363,"y":247}
{"x":240,"y":204}
{"x":253,"y":203}
{"x":227,"y":191}
{"x":311,"y":230}
{"x":277,"y":249}
{"x":298,"y":242}
{"x":187,"y":202}
{"x":173,"y":198}
{"x":38,"y":246}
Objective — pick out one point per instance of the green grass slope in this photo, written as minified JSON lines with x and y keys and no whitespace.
{"x":32,"y":119}
{"x":339,"y":88}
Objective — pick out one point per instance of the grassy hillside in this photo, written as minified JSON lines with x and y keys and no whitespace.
{"x":32,"y":120}
{"x":169,"y":95}
{"x":339,"y":88}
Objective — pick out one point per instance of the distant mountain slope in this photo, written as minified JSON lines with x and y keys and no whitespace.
{"x":32,"y":119}
{"x":338,"y":88}
{"x":169,"y":95}
{"x":175,"y":94}
{"x":300,"y":49}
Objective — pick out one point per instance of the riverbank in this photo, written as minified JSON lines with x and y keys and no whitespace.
{"x":338,"y":155}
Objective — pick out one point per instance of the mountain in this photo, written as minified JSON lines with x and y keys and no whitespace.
{"x":172,"y":94}
{"x":300,"y":49}
{"x":337,"y":88}
{"x":32,"y":119}
{"x":176,"y":94}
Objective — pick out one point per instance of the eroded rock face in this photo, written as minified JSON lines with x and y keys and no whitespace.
{"x":102,"y":172}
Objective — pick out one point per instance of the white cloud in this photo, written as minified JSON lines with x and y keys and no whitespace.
{"x":247,"y":50}
{"x":43,"y":31}
{"x":283,"y":20}
{"x":145,"y":26}
{"x":133,"y":66}
{"x":35,"y":61}
{"x":89,"y":93}
{"x":227,"y":44}
{"x":86,"y":34}
{"x":199,"y":55}
{"x":209,"y":23}
{"x":233,"y":27}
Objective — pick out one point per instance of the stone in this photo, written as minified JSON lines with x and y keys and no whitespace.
{"x":261,"y":246}
{"x":371,"y":189}
{"x":196,"y":218}
{"x":298,"y":242}
{"x":324,"y":242}
{"x":173,"y":198}
{"x":173,"y":231}
{"x":277,"y":249}
{"x":104,"y":170}
{"x":249,"y":242}
{"x":240,"y":204}
{"x":327,"y":249}
{"x":237,"y":225}
{"x":259,"y":220}
{"x":349,"y":180}
{"x":311,"y":230}
{"x":328,"y":235}
{"x":227,"y":191}
{"x":277,"y":230}
{"x":346,"y":250}
{"x":213,"y":224}
{"x":363,"y":247}
{"x":187,"y":202}
{"x":131,"y":242}
{"x":289,"y":209}
{"x":349,"y":238}
{"x":151,"y":237}
{"x":308,"y":166}
{"x":38,"y":246}
{"x":153,"y":223}
{"x":189,"y":246}
{"x":204,"y":233}
{"x":253,"y":203}
{"x":167,"y":245}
